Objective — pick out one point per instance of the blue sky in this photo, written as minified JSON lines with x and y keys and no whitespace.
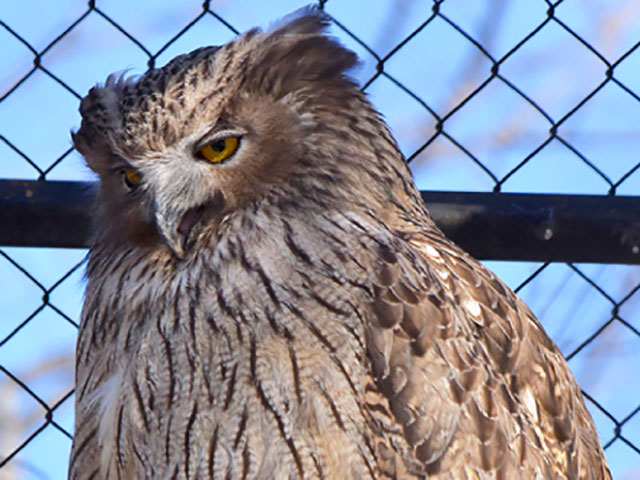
{"x":440,"y":66}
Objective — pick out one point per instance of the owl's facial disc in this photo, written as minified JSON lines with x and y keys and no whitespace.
{"x":188,"y":185}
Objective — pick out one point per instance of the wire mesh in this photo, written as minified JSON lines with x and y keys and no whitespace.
{"x":499,"y":96}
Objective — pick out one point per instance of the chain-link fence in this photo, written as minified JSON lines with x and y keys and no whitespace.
{"x":493,"y":95}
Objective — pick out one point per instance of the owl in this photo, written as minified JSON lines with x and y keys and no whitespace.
{"x":268,"y":297}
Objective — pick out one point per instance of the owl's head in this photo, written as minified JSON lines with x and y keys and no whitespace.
{"x":269,"y":117}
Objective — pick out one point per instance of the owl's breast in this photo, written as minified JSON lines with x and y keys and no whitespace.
{"x":221,"y":384}
{"x":249,"y":361}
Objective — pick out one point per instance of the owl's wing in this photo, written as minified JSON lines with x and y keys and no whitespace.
{"x":464,"y":367}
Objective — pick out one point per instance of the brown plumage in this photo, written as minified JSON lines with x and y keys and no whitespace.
{"x":268,"y":297}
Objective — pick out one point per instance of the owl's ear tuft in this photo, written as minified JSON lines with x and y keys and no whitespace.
{"x":92,"y":145}
{"x":101,"y":106}
{"x":298,"y":55}
{"x":101,"y":117}
{"x":305,"y":20}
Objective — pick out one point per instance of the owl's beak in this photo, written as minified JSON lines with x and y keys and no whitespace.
{"x":178,"y":227}
{"x":167,"y":222}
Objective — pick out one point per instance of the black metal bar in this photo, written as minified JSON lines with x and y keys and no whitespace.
{"x":527,"y":227}
{"x":45,"y":213}
{"x":536,"y":227}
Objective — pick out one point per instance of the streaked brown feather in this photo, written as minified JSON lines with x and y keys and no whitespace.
{"x":472,"y":354}
{"x":315,"y":323}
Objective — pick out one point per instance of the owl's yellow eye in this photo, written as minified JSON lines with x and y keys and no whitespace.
{"x":131,"y":177}
{"x":219,"y":150}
